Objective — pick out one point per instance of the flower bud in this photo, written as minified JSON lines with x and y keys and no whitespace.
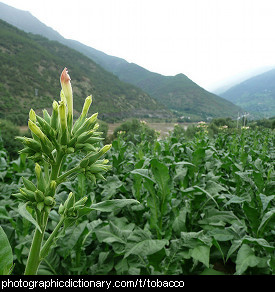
{"x":39,"y":196}
{"x":62,"y":115}
{"x":83,"y":115}
{"x":29,"y":185}
{"x":63,"y":123}
{"x":46,"y":116}
{"x":49,"y":201}
{"x":28,"y":194}
{"x":69,"y":203}
{"x":36,"y":130}
{"x":51,"y":188}
{"x":37,"y":170}
{"x":68,"y":92}
{"x":61,"y":209}
{"x":41,"y":184}
{"x":33,"y":144}
{"x":86,"y":107}
{"x":87,"y":125}
{"x":92,"y":158}
{"x":32,"y":115}
{"x":54,"y":118}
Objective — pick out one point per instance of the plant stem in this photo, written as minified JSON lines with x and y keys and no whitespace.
{"x":56,"y":167}
{"x":33,"y":259}
{"x":61,"y":178}
{"x":45,"y":249}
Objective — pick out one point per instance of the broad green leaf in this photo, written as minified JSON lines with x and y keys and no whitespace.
{"x":144,"y":173}
{"x":180,"y":221}
{"x":161,"y":175}
{"x":214,"y":216}
{"x":22,"y":210}
{"x":6,"y":257}
{"x":253,"y":216}
{"x":111,"y":186}
{"x":112,"y":205}
{"x":245,"y":258}
{"x":201,"y":253}
{"x":260,"y":241}
{"x":222,"y":234}
{"x":145,"y":247}
{"x":214,"y":188}
{"x":265,"y":221}
{"x":234,"y":246}
{"x":71,"y":239}
{"x":205,"y":192}
{"x":117,"y":232}
{"x":266,"y":200}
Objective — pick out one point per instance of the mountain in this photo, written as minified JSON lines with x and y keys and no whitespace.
{"x":238,"y":78}
{"x":30,"y":67}
{"x":178,"y":93}
{"x":255,"y":95}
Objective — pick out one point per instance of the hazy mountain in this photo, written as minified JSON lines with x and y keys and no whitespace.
{"x":255,"y":95}
{"x":30,"y":67}
{"x":177,"y":93}
{"x":238,"y":78}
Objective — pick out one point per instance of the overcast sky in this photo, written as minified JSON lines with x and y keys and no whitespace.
{"x":211,"y":41}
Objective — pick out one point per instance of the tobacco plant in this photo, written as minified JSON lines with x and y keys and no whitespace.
{"x":54,"y":137}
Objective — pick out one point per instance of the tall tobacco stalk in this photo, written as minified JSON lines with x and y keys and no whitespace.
{"x":53,"y":137}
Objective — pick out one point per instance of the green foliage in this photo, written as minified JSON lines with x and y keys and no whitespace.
{"x":6,"y":257}
{"x":135,"y":131}
{"x":8,"y":132}
{"x":206,"y":206}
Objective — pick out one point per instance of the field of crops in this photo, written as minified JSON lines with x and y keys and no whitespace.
{"x":205,"y":206}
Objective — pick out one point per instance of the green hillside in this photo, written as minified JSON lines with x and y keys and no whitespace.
{"x":177,"y":93}
{"x":256,"y":95}
{"x":30,"y":66}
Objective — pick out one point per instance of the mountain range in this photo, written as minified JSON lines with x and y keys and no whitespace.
{"x":177,"y":94}
{"x":255,"y":95}
{"x":30,"y":67}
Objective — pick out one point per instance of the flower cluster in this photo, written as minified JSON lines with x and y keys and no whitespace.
{"x":53,"y":137}
{"x":202,"y":125}
{"x":225,"y":127}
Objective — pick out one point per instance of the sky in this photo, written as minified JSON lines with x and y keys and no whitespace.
{"x":210,"y":41}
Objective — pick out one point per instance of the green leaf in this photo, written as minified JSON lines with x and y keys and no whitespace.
{"x":6,"y":257}
{"x":144,"y":173}
{"x":214,"y":216}
{"x":266,"y":200}
{"x":111,"y":186}
{"x":205,"y":192}
{"x":252,"y":215}
{"x":201,"y":253}
{"x":265,"y":221}
{"x":145,"y":247}
{"x":22,"y":209}
{"x":161,"y":175}
{"x":179,"y":223}
{"x":117,"y":232}
{"x":246,"y":258}
{"x":234,"y":246}
{"x":113,"y":205}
